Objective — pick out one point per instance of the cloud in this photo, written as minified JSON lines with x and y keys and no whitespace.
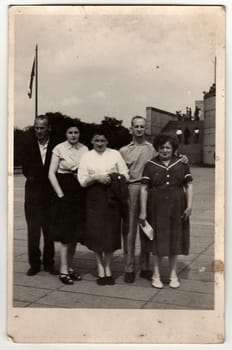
{"x":71,"y":100}
{"x":99,"y":95}
{"x":105,"y":64}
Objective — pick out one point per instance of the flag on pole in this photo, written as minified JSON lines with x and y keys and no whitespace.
{"x":29,"y":91}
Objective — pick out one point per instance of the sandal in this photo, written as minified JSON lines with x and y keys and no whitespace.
{"x":174,"y":283}
{"x":156,"y":283}
{"x":74,"y":275}
{"x":65,"y":278}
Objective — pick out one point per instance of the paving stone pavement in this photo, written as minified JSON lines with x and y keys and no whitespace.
{"x":195,"y":270}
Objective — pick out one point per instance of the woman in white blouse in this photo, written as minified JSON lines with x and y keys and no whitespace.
{"x":103,"y":222}
{"x":68,"y":208}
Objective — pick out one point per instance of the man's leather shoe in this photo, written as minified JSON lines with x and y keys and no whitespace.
{"x":33,"y":271}
{"x":147,"y":274}
{"x":51,"y":269}
{"x":129,"y":277}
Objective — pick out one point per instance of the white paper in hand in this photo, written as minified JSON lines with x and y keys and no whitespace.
{"x":148,"y":230}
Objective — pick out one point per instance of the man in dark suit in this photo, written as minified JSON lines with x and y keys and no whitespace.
{"x":36,"y":161}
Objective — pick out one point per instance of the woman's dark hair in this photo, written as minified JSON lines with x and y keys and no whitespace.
{"x":100,"y":130}
{"x":161,"y":139}
{"x":71,"y":123}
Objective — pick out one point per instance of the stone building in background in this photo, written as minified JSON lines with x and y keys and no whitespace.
{"x":196,"y":132}
{"x":199,"y":104}
{"x":209,"y":126}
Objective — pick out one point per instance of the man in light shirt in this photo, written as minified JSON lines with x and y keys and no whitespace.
{"x":136,"y":154}
{"x":36,"y":161}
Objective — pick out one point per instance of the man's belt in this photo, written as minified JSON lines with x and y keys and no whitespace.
{"x":135,"y":181}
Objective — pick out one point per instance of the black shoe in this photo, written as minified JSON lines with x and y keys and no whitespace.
{"x":65,"y":278}
{"x":33,"y":271}
{"x":147,"y":274}
{"x":110,"y":280}
{"x":101,"y":281}
{"x":51,"y":269}
{"x":74,"y":275}
{"x":129,"y":277}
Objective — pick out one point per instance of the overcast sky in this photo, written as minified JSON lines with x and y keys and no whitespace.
{"x":114,"y":64}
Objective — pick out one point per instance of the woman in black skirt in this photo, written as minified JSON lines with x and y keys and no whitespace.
{"x":104,"y":174}
{"x":68,"y":208}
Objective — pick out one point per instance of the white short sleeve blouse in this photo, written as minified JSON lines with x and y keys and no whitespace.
{"x":69,"y":156}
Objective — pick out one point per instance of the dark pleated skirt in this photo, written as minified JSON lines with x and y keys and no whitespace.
{"x":103,"y":221}
{"x":165,"y":211}
{"x":68,"y":213}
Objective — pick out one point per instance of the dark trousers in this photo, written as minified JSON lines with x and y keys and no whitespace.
{"x":37,"y":217}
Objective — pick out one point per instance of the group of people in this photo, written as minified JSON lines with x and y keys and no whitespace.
{"x":102,"y":196}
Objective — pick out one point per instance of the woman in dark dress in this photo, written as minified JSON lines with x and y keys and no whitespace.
{"x":68,"y":207}
{"x":166,"y":203}
{"x":103,"y":172}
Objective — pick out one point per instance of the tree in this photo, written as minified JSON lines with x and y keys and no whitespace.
{"x":118,"y":134}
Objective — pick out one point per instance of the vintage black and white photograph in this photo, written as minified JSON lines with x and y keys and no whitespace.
{"x":116,"y":116}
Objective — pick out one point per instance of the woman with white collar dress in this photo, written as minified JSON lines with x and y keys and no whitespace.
{"x":166,"y":203}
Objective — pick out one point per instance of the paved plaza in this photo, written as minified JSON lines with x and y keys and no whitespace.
{"x":195,"y":270}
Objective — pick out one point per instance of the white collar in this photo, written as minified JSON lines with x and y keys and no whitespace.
{"x":132,"y":143}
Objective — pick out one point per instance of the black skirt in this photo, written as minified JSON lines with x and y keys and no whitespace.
{"x":68,"y":213}
{"x":103,"y":221}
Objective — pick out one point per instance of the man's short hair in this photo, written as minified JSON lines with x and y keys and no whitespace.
{"x":137,"y":117}
{"x":43,"y":117}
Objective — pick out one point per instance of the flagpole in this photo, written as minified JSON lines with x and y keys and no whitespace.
{"x":36,"y":81}
{"x":215,"y":69}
